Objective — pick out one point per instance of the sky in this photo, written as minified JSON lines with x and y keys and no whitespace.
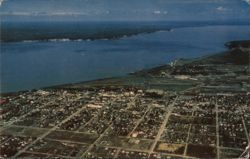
{"x":124,"y":10}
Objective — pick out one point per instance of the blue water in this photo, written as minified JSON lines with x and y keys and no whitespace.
{"x":28,"y":65}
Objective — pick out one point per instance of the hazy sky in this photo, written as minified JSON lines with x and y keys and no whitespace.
{"x":166,"y":10}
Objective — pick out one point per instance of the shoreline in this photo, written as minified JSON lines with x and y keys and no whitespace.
{"x":144,"y":73}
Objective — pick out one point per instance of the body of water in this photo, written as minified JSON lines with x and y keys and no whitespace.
{"x":36,"y":61}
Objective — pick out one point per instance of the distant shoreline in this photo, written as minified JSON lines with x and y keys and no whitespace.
{"x":11,"y":32}
{"x":88,"y":38}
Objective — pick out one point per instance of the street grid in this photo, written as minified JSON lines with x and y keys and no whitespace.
{"x":149,"y":152}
